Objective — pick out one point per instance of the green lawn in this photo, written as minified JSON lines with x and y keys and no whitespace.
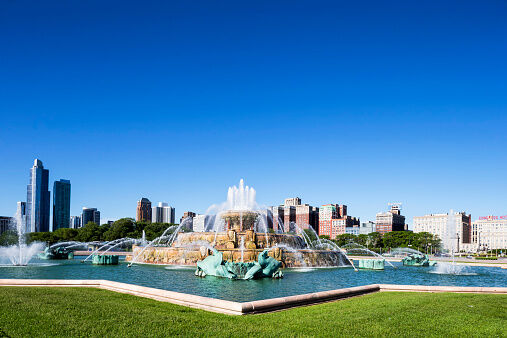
{"x":65,"y":312}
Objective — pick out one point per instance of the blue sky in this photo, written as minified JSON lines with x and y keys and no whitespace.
{"x":362,"y":103}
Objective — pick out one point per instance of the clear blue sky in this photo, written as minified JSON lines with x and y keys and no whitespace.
{"x":353,"y":102}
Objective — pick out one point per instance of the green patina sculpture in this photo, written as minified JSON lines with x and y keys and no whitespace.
{"x":417,"y":260}
{"x":214,"y":265}
{"x":371,"y":264}
{"x":105,"y":259}
{"x":56,"y":253}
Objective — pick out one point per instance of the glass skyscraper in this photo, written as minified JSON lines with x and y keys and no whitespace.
{"x":61,"y":204}
{"x":38,"y":199}
{"x":90,"y":215}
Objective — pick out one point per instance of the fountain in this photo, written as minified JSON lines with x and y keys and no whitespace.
{"x":238,"y":229}
{"x":375,"y":263}
{"x":450,"y":240}
{"x":22,"y":253}
{"x":412,"y":257}
{"x":60,"y":252}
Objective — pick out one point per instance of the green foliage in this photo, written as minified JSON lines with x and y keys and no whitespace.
{"x":125,"y":227}
{"x":84,"y":312}
{"x":8,"y":237}
{"x":311,"y":235}
{"x":343,"y":239}
{"x":65,"y":234}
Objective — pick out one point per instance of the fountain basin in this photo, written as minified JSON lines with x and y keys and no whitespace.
{"x":58,"y":253}
{"x":371,"y":264}
{"x":105,"y":259}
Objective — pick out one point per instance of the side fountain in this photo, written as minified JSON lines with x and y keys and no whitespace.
{"x":60,"y":252}
{"x":238,"y":230}
{"x":21,"y":253}
{"x":372,"y":260}
{"x":412,"y":257}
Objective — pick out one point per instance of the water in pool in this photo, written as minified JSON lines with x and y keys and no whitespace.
{"x":295,"y":281}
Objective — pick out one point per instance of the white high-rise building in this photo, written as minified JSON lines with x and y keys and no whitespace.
{"x":75,"y":222}
{"x":436,"y":224}
{"x":199,"y":222}
{"x":162,"y":213}
{"x":489,"y":233}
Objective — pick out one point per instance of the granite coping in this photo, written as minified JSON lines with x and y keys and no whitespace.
{"x":237,"y":308}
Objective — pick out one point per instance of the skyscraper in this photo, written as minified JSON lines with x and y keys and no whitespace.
{"x":38,"y":199}
{"x":75,"y":222}
{"x":90,"y":215}
{"x":143,"y":210}
{"x":21,"y":214}
{"x":162,"y":213}
{"x":61,"y":204}
{"x":392,"y":220}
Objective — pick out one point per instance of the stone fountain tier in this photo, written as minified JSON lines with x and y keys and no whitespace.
{"x":233,"y":239}
{"x":239,"y":220}
{"x":190,"y":256}
{"x":238,"y":246}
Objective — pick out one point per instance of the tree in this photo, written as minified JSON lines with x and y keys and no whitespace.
{"x":122,"y":228}
{"x":65,"y":234}
{"x":362,"y":239}
{"x":90,"y":232}
{"x":343,"y":239}
{"x":311,"y":235}
{"x":374,"y":240}
{"x":8,"y":237}
{"x":44,"y":237}
{"x":396,"y":239}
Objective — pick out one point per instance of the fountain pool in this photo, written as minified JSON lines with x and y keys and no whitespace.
{"x":295,"y":281}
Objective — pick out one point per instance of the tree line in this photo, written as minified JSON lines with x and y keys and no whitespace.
{"x":125,"y":227}
{"x":422,"y":241}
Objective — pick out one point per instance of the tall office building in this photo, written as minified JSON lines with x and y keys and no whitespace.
{"x":277,"y":217}
{"x":391,"y":220}
{"x":200,"y":222}
{"x":38,"y":199}
{"x":162,"y":213}
{"x":291,"y":214}
{"x":5,"y":223}
{"x":188,"y":217}
{"x":143,"y":213}
{"x":21,"y":214}
{"x":367,"y":228}
{"x":75,"y":222}
{"x":436,"y":224}
{"x":61,"y":204}
{"x":90,"y":215}
{"x":334,"y":221}
{"x":489,"y":233}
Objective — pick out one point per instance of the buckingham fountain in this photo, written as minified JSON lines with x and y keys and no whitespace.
{"x":238,"y":230}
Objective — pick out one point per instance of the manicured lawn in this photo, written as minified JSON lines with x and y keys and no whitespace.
{"x":66,"y":312}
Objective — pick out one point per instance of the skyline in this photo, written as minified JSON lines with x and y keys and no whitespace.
{"x":177,"y":102}
{"x":260,"y":205}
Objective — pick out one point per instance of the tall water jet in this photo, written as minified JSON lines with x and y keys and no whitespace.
{"x":450,"y":241}
{"x":21,"y":253}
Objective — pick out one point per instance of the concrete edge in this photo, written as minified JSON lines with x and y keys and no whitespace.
{"x":236,"y":308}
{"x":276,"y":304}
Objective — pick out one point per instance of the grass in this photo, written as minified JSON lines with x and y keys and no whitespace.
{"x":69,"y":312}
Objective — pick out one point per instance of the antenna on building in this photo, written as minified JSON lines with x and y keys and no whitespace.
{"x":395,"y":205}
